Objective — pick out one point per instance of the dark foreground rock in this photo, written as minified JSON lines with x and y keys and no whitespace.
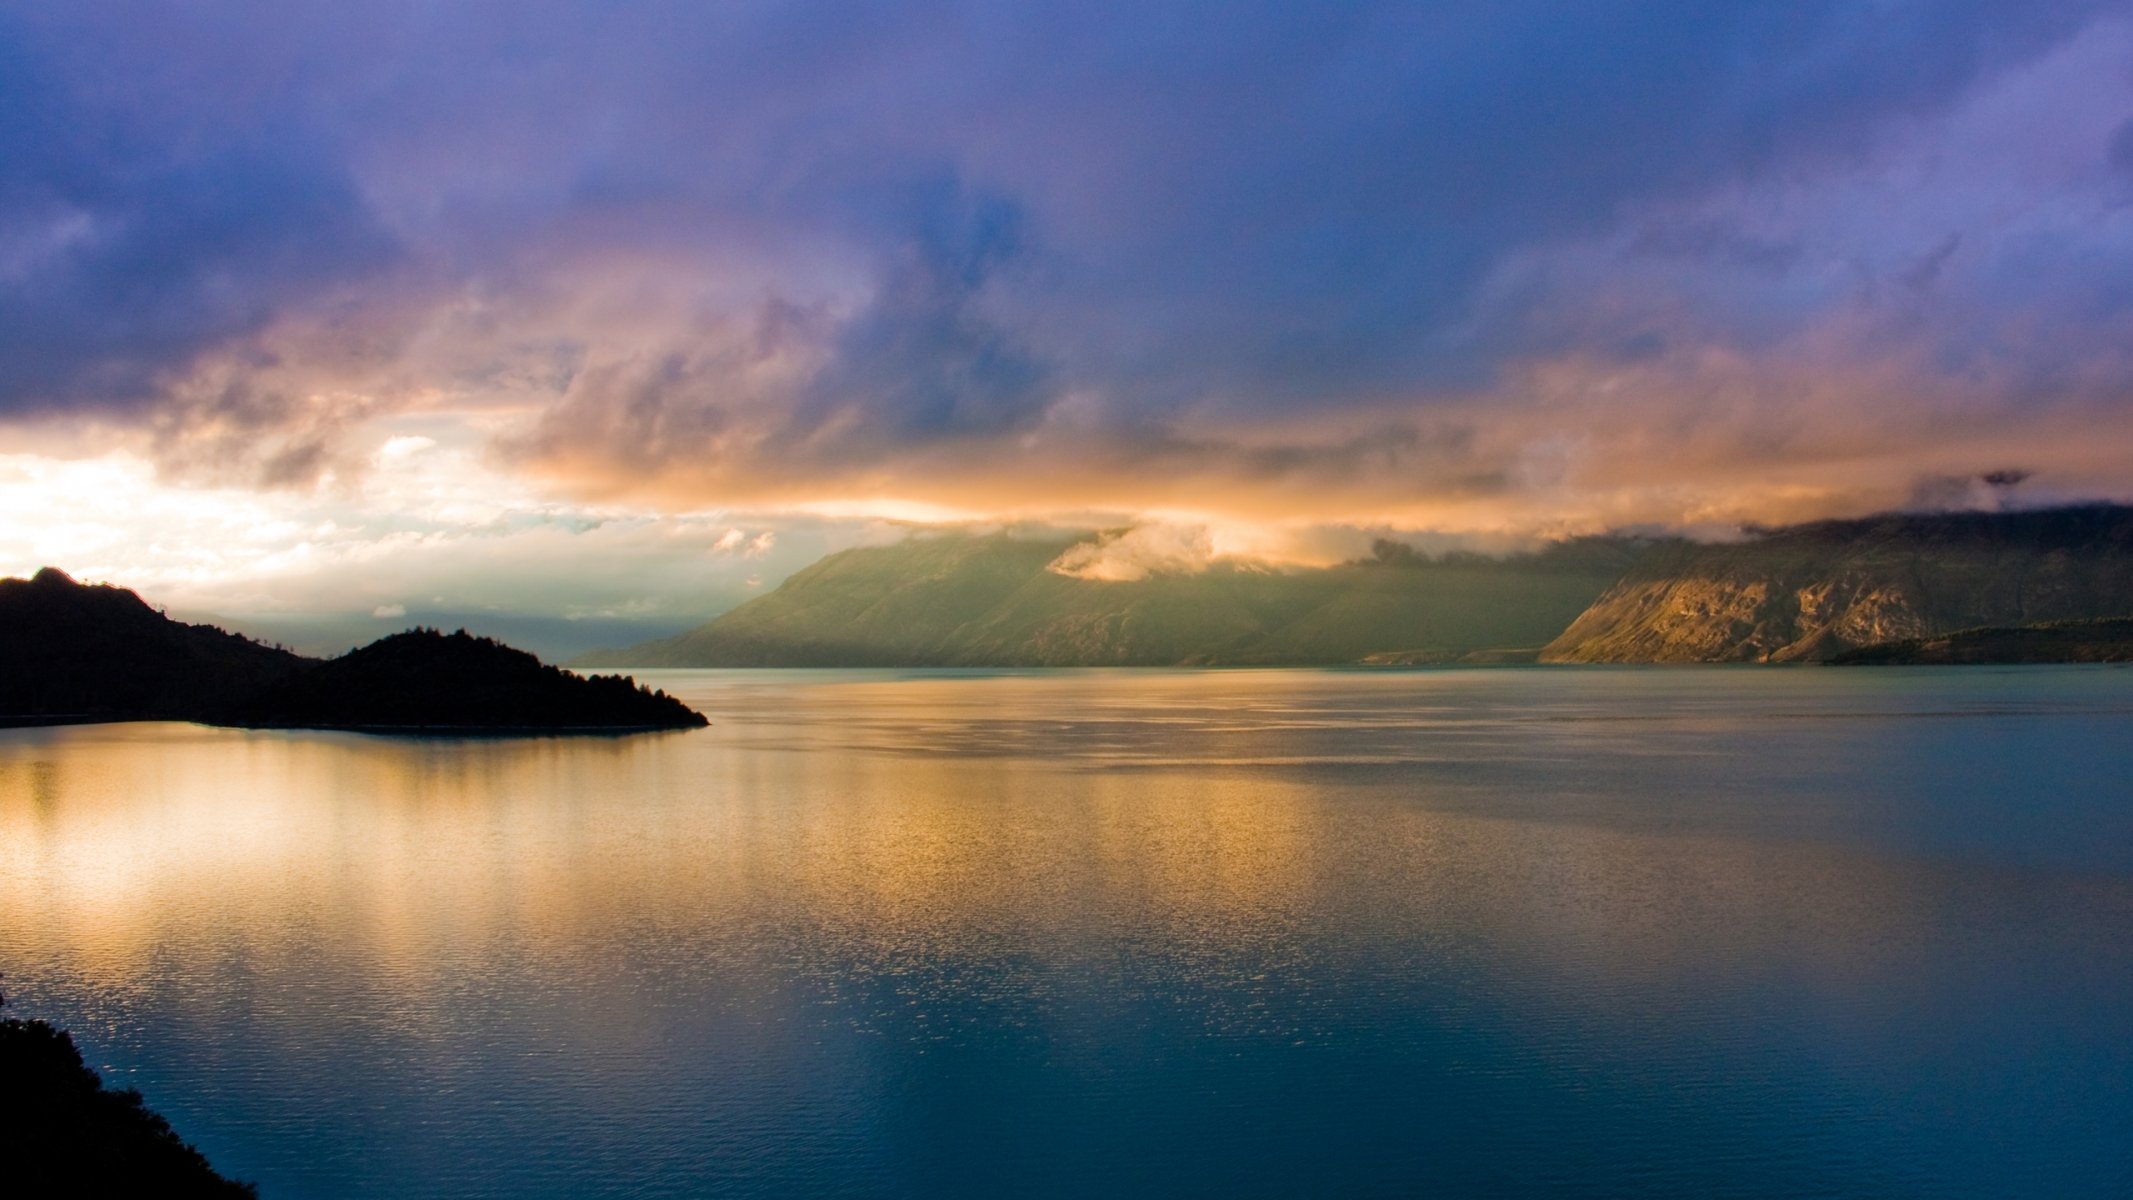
{"x":2102,"y":641}
{"x":63,"y":1134}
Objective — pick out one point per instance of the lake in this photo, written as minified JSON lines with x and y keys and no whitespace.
{"x":1520,"y":932}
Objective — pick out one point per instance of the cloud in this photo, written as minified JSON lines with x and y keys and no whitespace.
{"x":808,"y":392}
{"x":1491,"y":265}
{"x":436,"y":525}
{"x":739,"y":542}
{"x":137,"y":238}
{"x":1138,"y":553}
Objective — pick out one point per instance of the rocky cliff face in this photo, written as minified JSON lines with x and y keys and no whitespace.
{"x":1811,"y":592}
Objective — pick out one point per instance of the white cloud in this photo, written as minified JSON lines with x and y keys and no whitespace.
{"x":738,"y":541}
{"x":397,"y":449}
{"x":389,"y":610}
{"x":1138,"y":553}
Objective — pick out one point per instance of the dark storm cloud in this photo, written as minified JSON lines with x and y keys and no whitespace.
{"x":921,"y":362}
{"x":748,"y":238}
{"x":132,"y":243}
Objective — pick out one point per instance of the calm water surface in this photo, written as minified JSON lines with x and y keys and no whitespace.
{"x":1516,"y":932}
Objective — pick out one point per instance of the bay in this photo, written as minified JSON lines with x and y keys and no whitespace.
{"x":1467,"y":932}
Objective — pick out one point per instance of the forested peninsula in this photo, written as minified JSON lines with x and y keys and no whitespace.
{"x":73,"y":652}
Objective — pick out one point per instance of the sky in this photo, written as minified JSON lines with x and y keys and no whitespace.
{"x":616,"y":313}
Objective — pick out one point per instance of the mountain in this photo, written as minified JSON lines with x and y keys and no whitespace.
{"x":991,"y":600}
{"x":1812,"y":592}
{"x":74,"y":652}
{"x":1798,"y":593}
{"x":2103,"y":641}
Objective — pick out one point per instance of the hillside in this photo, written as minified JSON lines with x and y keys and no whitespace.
{"x":78,"y":652}
{"x":1811,"y":592}
{"x":72,"y":652}
{"x":972,"y":600}
{"x":426,"y":680}
{"x":2101,"y":641}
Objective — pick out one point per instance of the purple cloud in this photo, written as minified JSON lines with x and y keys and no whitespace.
{"x":756,"y":248}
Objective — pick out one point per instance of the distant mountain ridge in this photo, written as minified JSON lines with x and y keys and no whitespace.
{"x":958,"y":599}
{"x":72,"y":652}
{"x":1803,"y":593}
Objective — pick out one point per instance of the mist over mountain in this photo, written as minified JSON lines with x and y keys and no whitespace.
{"x":961,"y":599}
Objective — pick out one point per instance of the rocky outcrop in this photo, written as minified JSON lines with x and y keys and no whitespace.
{"x":1812,"y":592}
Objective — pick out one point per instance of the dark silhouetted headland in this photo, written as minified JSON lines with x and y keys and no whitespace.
{"x":72,"y":652}
{"x":424,"y":680}
{"x":81,"y":652}
{"x":63,"y":1134}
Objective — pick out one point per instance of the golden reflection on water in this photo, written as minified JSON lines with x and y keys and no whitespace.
{"x":859,"y":913}
{"x":915,"y":818}
{"x":118,"y":840}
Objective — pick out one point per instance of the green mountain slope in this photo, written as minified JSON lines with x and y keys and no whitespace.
{"x":1811,"y":592}
{"x":971,"y":600}
{"x":872,"y":606}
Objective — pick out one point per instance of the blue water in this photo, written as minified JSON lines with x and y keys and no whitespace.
{"x":1267,"y":933}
